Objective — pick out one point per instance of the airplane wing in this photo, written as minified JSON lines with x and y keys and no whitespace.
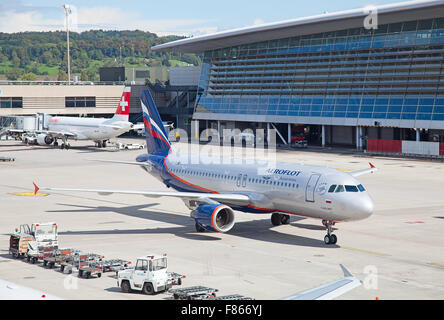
{"x":372,"y":169}
{"x":331,"y":290}
{"x":59,"y":134}
{"x":12,"y":291}
{"x":199,"y":197}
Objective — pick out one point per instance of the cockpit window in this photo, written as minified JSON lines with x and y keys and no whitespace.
{"x":361,"y":188}
{"x":351,"y":189}
{"x":340,"y":189}
{"x":332,"y":188}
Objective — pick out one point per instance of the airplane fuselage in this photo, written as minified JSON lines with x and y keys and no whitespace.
{"x":277,"y":188}
{"x":96,"y":129}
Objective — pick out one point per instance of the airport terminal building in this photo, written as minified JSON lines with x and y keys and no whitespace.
{"x":344,"y":82}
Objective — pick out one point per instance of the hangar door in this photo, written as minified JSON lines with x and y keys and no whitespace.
{"x":342,"y":135}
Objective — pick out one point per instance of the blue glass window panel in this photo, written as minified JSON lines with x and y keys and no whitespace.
{"x":439,"y":102}
{"x":339,"y":115}
{"x":411,"y":101}
{"x":426,"y":101}
{"x":316,"y":107}
{"x":393,"y":115}
{"x":293,"y":113}
{"x":352,"y":114}
{"x":305,"y":108}
{"x":382,"y":101}
{"x":424,"y":116}
{"x":368,"y":101}
{"x":366,"y":108}
{"x":410,"y":108}
{"x":315,"y":114}
{"x":353,"y":108}
{"x":304,"y":114}
{"x":438,"y":116}
{"x":340,"y":108}
{"x":396,"y":101}
{"x":327,"y":114}
{"x":439,"y":109}
{"x":379,"y":115}
{"x":306,"y":100}
{"x":408,"y":116}
{"x":342,"y":101}
{"x":395,"y":108}
{"x":425,"y":109}
{"x":366,"y":115}
{"x":380,"y":109}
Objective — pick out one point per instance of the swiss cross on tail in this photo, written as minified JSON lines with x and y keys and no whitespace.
{"x":123,"y":107}
{"x":122,"y":112}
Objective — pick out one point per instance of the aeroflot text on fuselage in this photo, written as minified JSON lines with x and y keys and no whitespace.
{"x":284,"y":172}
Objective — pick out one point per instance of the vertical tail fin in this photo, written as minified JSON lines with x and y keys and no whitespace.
{"x":122,"y":111}
{"x":157,"y":141}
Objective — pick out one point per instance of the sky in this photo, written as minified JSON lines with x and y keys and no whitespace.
{"x":163,"y":17}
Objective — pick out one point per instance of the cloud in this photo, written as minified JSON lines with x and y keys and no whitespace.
{"x":28,"y":18}
{"x":258,"y":21}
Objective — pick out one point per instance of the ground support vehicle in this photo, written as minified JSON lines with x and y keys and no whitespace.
{"x":58,"y":257}
{"x":90,"y":264}
{"x":34,"y":256}
{"x":176,"y":278}
{"x":149,"y":276}
{"x":115,"y":265}
{"x":7,"y":159}
{"x":18,"y":244}
{"x":194,"y":293}
{"x":233,"y":297}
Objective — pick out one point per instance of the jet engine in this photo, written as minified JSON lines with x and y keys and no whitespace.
{"x":43,"y":139}
{"x":214,"y":217}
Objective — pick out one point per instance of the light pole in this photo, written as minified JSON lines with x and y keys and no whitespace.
{"x":67,"y":9}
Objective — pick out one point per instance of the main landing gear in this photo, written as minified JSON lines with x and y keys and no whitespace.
{"x":277,"y":219}
{"x":330,"y":238}
{"x":101,"y":144}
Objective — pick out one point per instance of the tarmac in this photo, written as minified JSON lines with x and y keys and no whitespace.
{"x":397,"y":253}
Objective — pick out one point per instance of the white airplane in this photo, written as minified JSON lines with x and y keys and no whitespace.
{"x":12,"y":291}
{"x":213,"y":190}
{"x":99,"y":130}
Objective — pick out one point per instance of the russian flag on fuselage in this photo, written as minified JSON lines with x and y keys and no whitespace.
{"x":157,"y":141}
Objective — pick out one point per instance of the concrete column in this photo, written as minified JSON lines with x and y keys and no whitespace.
{"x":268,"y":132}
{"x":323,"y":136}
{"x":289,"y":133}
{"x":418,"y":135}
{"x":218,"y":129}
{"x":358,"y":138}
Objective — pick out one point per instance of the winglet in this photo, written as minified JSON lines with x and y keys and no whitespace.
{"x":372,"y":166}
{"x":36,"y":188}
{"x":347,"y":273}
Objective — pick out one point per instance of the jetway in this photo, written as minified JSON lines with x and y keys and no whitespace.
{"x":36,"y":122}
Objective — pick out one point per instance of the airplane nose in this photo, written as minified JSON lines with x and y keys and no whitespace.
{"x":365,"y":208}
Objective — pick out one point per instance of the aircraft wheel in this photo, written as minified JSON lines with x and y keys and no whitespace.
{"x":285,"y":219}
{"x":327,"y":240}
{"x":99,"y":144}
{"x":334,"y":239}
{"x":276,"y":219}
{"x":104,"y":144}
{"x":56,"y":144}
{"x":62,"y":146}
{"x":67,"y":146}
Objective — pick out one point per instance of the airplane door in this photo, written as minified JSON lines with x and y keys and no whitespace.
{"x":244,"y":181}
{"x":239,"y":179}
{"x":311,"y":186}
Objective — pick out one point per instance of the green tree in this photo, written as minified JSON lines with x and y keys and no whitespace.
{"x":13,"y":74}
{"x":62,"y":76}
{"x":29,"y":77}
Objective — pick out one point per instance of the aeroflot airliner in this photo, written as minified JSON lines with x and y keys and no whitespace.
{"x":214,"y":191}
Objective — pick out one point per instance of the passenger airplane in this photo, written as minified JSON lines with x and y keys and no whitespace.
{"x":213,"y":191}
{"x":99,"y":130}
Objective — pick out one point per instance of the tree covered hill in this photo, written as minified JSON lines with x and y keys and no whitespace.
{"x":32,"y":55}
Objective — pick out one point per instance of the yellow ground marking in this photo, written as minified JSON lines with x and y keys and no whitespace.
{"x":367,"y":251}
{"x":29,"y":194}
{"x":344,"y":170}
{"x":436,"y":264}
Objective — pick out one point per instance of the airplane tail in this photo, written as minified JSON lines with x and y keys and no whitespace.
{"x":157,"y":141}
{"x":122,"y":111}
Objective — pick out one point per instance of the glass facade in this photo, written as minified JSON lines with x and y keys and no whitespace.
{"x":394,"y":72}
{"x":80,"y":102}
{"x":15,"y":102}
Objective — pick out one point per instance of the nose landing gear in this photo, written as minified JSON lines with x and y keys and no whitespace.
{"x":330,"y":238}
